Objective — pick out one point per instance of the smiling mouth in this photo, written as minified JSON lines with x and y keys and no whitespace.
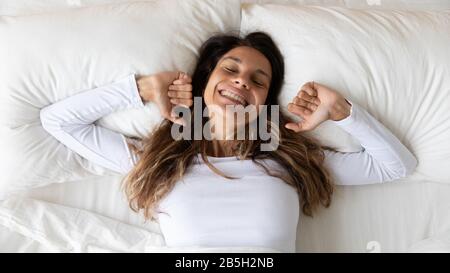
{"x":233,"y":97}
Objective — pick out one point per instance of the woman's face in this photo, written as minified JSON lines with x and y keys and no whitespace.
{"x":241,"y":77}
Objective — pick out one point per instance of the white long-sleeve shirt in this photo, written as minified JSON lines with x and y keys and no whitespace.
{"x":207,"y":209}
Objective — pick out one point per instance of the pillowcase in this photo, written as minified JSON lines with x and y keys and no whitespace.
{"x":27,"y":7}
{"x":22,"y":7}
{"x":52,"y":56}
{"x":365,"y":4}
{"x":395,"y":64}
{"x":399,"y":4}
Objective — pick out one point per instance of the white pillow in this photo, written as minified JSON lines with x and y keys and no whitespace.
{"x":399,"y":4}
{"x":394,"y":64}
{"x":26,"y":7}
{"x":365,"y":4}
{"x":45,"y":58}
{"x":23,"y":7}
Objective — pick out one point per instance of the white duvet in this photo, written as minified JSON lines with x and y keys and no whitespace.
{"x":396,"y":64}
{"x":46,"y":227}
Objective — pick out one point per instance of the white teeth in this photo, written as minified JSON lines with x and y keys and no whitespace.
{"x":231,"y":95}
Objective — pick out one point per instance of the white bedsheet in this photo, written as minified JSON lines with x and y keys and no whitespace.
{"x":394,"y":217}
{"x":46,"y":227}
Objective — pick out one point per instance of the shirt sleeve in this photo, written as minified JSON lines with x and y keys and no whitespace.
{"x":71,"y":121}
{"x":383,"y":157}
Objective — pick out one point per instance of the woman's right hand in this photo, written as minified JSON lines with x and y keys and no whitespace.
{"x":167,"y":90}
{"x":316,"y":103}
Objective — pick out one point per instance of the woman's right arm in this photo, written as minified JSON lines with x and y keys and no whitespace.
{"x":71,"y":121}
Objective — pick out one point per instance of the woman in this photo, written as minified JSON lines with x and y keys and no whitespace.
{"x":224,"y":192}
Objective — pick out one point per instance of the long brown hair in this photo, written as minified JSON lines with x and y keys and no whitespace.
{"x":163,"y":160}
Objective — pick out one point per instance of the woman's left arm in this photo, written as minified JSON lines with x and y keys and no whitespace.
{"x":383,"y":157}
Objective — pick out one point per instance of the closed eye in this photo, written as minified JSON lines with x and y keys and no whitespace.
{"x":261,"y":84}
{"x":230,"y":70}
{"x":258,"y":83}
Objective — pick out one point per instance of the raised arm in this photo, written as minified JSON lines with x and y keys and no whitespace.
{"x":383,"y":157}
{"x":71,"y":121}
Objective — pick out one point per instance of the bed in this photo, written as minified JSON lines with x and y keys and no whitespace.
{"x":391,"y":58}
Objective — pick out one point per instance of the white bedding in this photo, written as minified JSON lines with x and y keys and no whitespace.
{"x":22,"y":7}
{"x":84,"y":48}
{"x":407,"y":215}
{"x":396,"y":217}
{"x":42,"y":226}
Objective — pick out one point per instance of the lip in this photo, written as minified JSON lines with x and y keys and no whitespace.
{"x":233,"y":90}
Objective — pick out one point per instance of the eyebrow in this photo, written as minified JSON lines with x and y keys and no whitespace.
{"x":236,"y":59}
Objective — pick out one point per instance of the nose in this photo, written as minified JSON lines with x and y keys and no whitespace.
{"x":241,"y":82}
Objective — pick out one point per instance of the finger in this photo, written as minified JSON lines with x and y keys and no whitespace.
{"x":179,"y":94}
{"x":184,"y":102}
{"x":186,"y":76}
{"x":308,"y":88}
{"x":183,"y":78}
{"x":301,"y":102}
{"x":182,"y":87}
{"x":304,"y":95}
{"x":299,"y":110}
{"x":296,"y":127}
{"x":182,"y":81}
{"x":175,"y":119}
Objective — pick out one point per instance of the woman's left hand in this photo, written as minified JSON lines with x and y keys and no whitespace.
{"x":316,"y":103}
